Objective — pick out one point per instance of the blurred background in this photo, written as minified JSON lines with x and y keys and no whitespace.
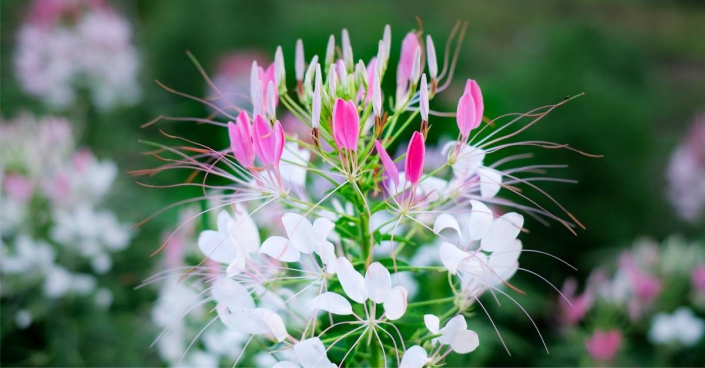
{"x":640,"y":65}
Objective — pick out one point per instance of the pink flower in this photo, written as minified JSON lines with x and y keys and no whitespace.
{"x":698,"y":277}
{"x":371,"y":67}
{"x":470,"y":108}
{"x":406,"y":60}
{"x":241,"y":140}
{"x":602,"y":346}
{"x":414,"y":158}
{"x":268,"y":141}
{"x":265,"y":77}
{"x":389,"y":167}
{"x":571,"y":315}
{"x":18,"y":187}
{"x":346,"y":125}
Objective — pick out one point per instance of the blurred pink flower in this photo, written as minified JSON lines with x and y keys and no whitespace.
{"x":698,"y":278}
{"x":571,"y":315}
{"x":686,"y":173}
{"x":603,"y":345}
{"x":18,"y":187}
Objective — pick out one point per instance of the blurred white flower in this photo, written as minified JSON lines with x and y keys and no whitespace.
{"x":682,"y":327}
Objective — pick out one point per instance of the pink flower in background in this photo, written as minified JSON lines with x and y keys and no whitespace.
{"x":698,"y":278}
{"x":686,"y":173}
{"x":603,"y":345}
{"x":581,"y":304}
{"x":18,"y":187}
{"x":67,"y":46}
{"x":232,"y":80}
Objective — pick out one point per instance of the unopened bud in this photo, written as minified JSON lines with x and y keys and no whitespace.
{"x":431,"y":58}
{"x":330,"y":51}
{"x":280,"y":70}
{"x":347,"y":50}
{"x":423,"y":98}
{"x":300,"y":63}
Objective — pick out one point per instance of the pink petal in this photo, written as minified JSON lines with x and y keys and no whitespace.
{"x":346,"y":125}
{"x":269,"y":143}
{"x":389,"y":167}
{"x":406,"y":60}
{"x":414,"y":158}
{"x":241,"y":140}
{"x":466,"y":115}
{"x":474,"y":89}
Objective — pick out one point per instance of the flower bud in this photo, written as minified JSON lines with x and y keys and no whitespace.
{"x":387,"y":39}
{"x":316,"y":104}
{"x":332,"y":82}
{"x":347,"y":50}
{"x":346,"y":125}
{"x":423,"y":98}
{"x":431,"y":58}
{"x":416,"y":67}
{"x":300,"y":63}
{"x":308,"y":79}
{"x":376,"y":96}
{"x":413,"y":168}
{"x":271,"y":101}
{"x":330,"y":51}
{"x":280,"y":70}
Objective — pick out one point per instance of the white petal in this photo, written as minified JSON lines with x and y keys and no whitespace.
{"x":378,"y":282}
{"x":273,"y":321}
{"x":286,"y":364}
{"x":502,"y":232}
{"x":216,"y":246}
{"x":353,"y":283}
{"x":311,"y":353}
{"x":327,"y":253}
{"x":223,"y":219}
{"x":464,"y":341}
{"x":451,"y":257}
{"x":281,"y":249}
{"x":243,"y":231}
{"x":490,"y":182}
{"x":232,"y":294}
{"x":395,"y":305}
{"x":300,"y":232}
{"x":331,"y":302}
{"x":456,"y":323}
{"x":445,"y":221}
{"x":480,"y":220}
{"x":237,"y":266}
{"x":414,"y":357}
{"x":432,"y":323}
{"x":323,"y":226}
{"x":505,"y":262}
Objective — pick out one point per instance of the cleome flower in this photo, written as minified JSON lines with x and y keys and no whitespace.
{"x":335,"y":277}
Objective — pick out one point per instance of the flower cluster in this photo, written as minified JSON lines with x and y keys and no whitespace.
{"x":54,"y":236}
{"x":318,"y":240}
{"x":68,"y":46}
{"x":655,"y":286}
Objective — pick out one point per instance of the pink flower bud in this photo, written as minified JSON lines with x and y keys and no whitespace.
{"x":465,"y":115}
{"x":416,"y":66}
{"x":347,"y":50}
{"x":280,"y":69}
{"x":698,"y":278}
{"x":474,"y":89}
{"x":330,"y":51}
{"x":316,"y":104}
{"x":376,"y":95}
{"x":241,"y":140}
{"x":346,"y":125}
{"x":406,"y":60}
{"x":268,"y":141}
{"x":389,"y":167}
{"x":414,"y":158}
{"x":603,"y":346}
{"x":371,"y":67}
{"x":387,"y":39}
{"x":332,"y":81}
{"x":299,"y":65}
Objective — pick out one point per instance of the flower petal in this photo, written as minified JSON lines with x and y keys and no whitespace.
{"x":505,"y":262}
{"x":415,"y":154}
{"x":414,"y":357}
{"x":445,"y":221}
{"x":352,"y":281}
{"x":232,"y":294}
{"x":273,"y":321}
{"x":502,"y":232}
{"x":451,"y":257}
{"x":280,"y":248}
{"x":464,"y":341}
{"x":216,"y":246}
{"x":378,"y":282}
{"x":300,"y":232}
{"x":331,"y":302}
{"x":396,"y":303}
{"x":490,"y":182}
{"x":389,"y":167}
{"x":480,"y":220}
{"x":432,"y":323}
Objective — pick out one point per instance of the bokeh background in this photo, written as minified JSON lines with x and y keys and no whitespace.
{"x":640,"y":64}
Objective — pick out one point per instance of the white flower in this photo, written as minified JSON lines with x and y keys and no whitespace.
{"x":681,"y":326}
{"x":414,"y":357}
{"x":235,"y":240}
{"x":303,"y":237}
{"x":376,"y":286}
{"x":455,"y":333}
{"x":309,"y":353}
{"x":237,"y":310}
{"x":293,"y":164}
